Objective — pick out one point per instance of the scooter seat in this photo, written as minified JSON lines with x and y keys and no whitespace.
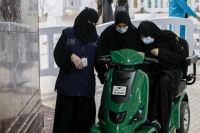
{"x":180,"y":88}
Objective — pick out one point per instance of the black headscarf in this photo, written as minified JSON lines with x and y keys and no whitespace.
{"x":112,"y":40}
{"x":148,"y":28}
{"x":83,"y":30}
{"x":122,"y":17}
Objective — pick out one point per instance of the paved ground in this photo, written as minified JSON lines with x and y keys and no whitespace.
{"x":49,"y":96}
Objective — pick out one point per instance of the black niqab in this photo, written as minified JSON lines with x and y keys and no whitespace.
{"x":112,"y":40}
{"x":83,"y":30}
{"x":148,"y":28}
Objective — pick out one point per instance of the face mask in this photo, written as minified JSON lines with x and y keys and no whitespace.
{"x":148,"y":40}
{"x":122,"y":30}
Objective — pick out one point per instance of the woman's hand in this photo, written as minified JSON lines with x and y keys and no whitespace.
{"x":77,"y":61}
{"x":198,"y":18}
{"x":155,"y":51}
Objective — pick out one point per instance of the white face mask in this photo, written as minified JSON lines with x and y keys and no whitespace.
{"x":147,"y":40}
{"x":122,"y":30}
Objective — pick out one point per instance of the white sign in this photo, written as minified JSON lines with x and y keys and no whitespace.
{"x":119,"y":90}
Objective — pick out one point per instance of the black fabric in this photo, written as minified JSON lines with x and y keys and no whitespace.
{"x":148,"y":28}
{"x":160,"y":99}
{"x":74,"y":114}
{"x":124,"y":3}
{"x":122,"y":17}
{"x":62,"y":58}
{"x":105,"y":9}
{"x":100,"y":67}
{"x":110,"y":1}
{"x":165,"y":35}
{"x":170,"y":53}
{"x":121,"y":5}
{"x":85,"y":31}
{"x":166,"y":75}
{"x":111,"y":39}
{"x":185,"y":47}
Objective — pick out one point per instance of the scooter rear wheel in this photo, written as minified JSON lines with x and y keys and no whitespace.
{"x":184,"y":118}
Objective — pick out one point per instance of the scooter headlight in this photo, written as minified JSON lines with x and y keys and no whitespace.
{"x":117,"y":117}
{"x":137,"y":117}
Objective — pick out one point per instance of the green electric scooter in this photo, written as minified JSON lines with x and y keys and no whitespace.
{"x":124,"y":101}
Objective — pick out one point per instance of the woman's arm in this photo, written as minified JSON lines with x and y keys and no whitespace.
{"x":183,"y":4}
{"x":62,"y":58}
{"x":175,"y":56}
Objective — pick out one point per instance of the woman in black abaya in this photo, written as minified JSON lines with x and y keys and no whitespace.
{"x":120,"y":35}
{"x":75,"y":109}
{"x":163,"y":46}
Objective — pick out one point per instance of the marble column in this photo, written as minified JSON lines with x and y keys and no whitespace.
{"x":20,"y":98}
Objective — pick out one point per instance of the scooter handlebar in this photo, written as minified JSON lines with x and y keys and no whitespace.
{"x":148,"y":60}
{"x":105,"y":59}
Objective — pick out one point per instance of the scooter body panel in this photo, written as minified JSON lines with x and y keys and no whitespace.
{"x":132,"y":101}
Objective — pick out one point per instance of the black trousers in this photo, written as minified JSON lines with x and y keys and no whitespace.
{"x":160,"y":99}
{"x":74,"y":114}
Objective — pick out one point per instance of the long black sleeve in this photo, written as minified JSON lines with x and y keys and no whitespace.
{"x":61,"y":57}
{"x":100,"y":67}
{"x":175,"y":56}
{"x":103,"y":48}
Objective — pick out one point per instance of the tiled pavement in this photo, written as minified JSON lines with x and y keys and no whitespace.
{"x":48,"y":119}
{"x":49,"y":96}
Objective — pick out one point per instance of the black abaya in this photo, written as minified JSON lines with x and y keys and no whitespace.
{"x":74,"y":114}
{"x":111,"y":39}
{"x":164,"y":78}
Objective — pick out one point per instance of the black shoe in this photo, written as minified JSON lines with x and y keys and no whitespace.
{"x":156,"y":124}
